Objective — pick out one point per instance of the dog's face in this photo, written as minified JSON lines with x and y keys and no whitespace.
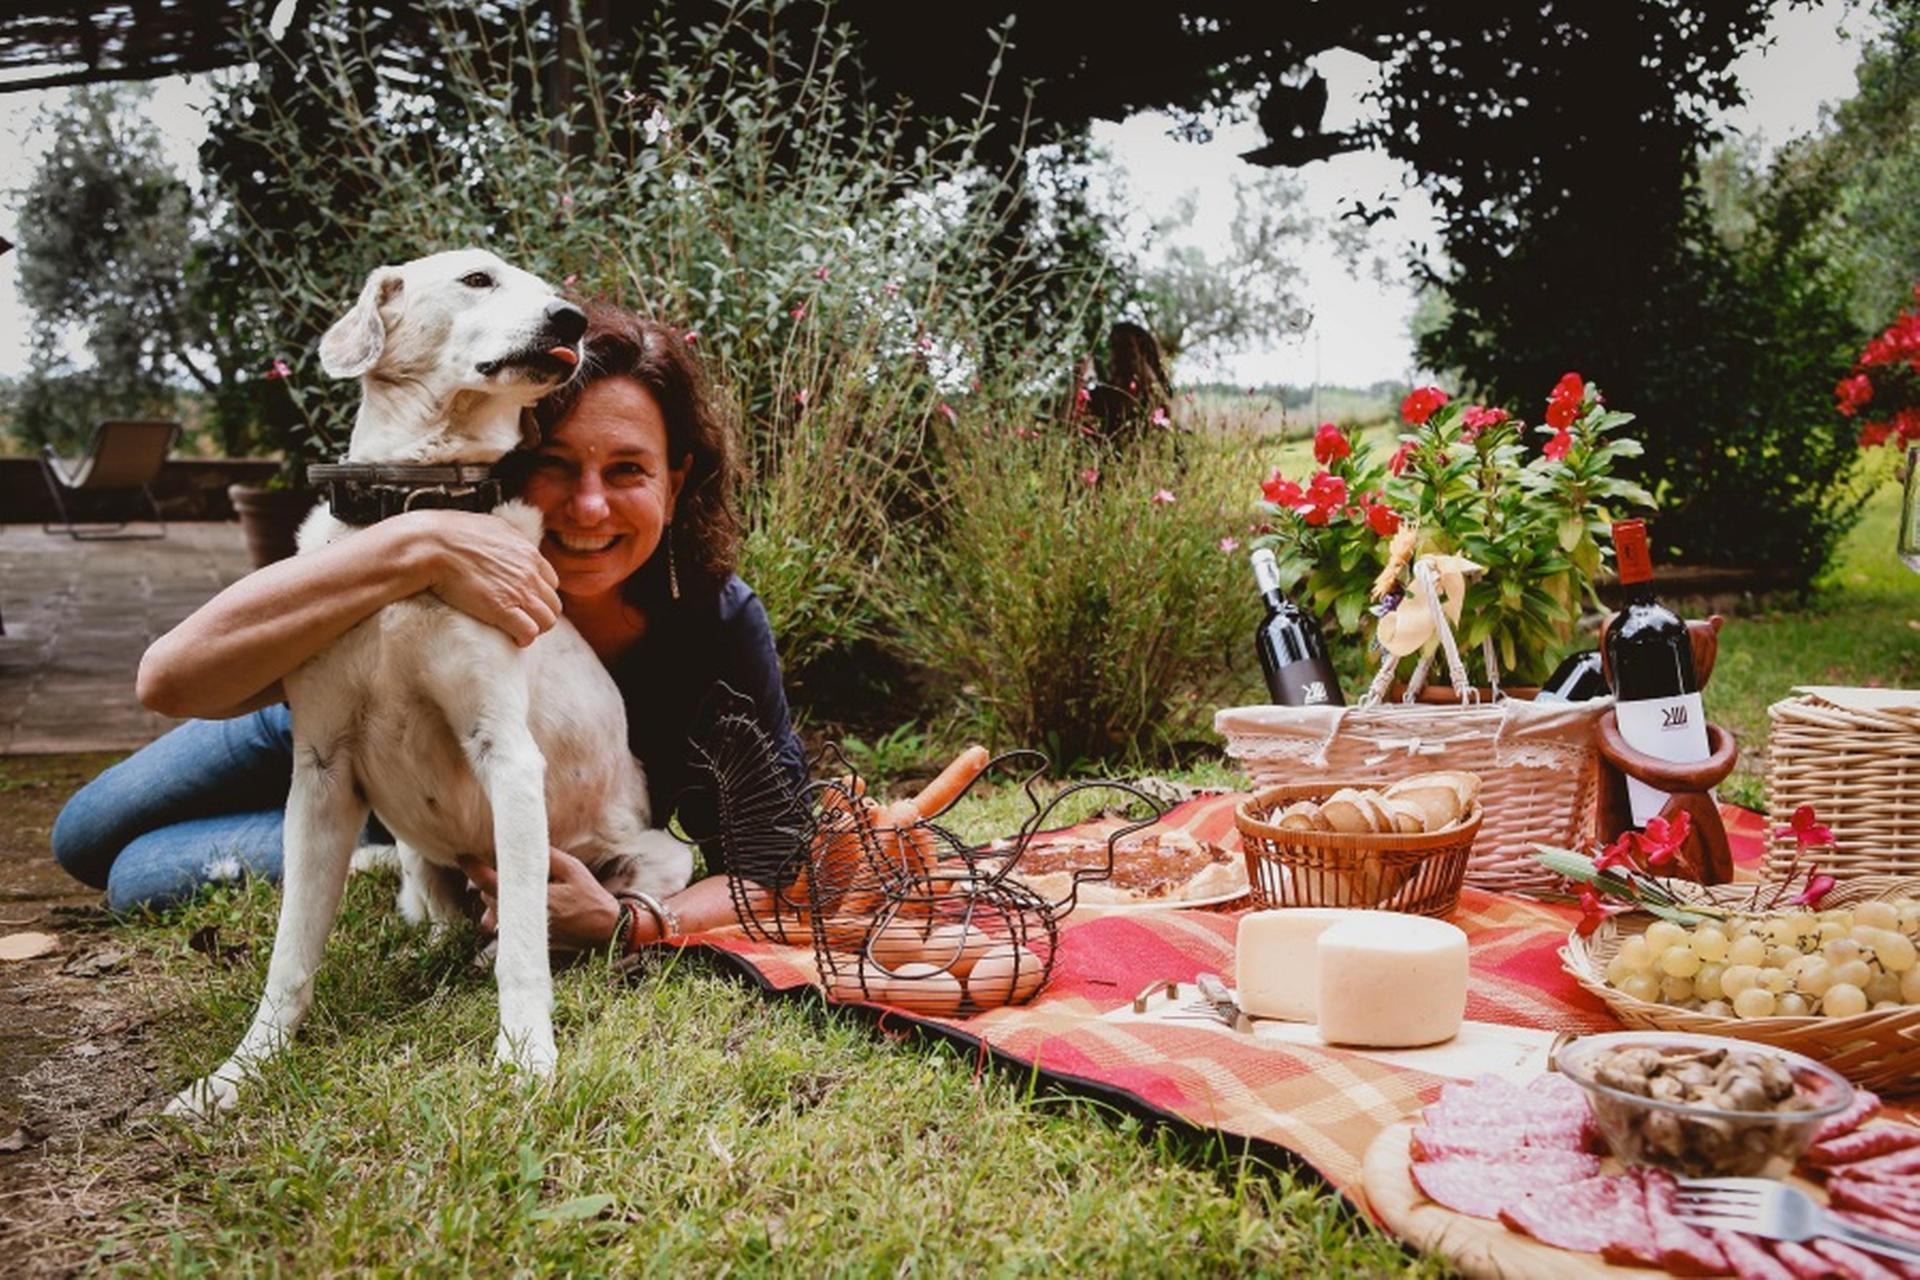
{"x":462,"y":321}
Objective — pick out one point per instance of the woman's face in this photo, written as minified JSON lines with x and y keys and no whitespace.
{"x":605,"y":487}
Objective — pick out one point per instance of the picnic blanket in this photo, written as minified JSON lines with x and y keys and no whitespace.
{"x":1322,"y":1105}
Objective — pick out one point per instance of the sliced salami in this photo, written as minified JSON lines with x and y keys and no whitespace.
{"x":1852,"y":1263}
{"x":1749,"y":1258}
{"x":1899,"y":1166}
{"x":1883,"y":1224}
{"x":1684,"y":1250}
{"x":1864,"y":1144}
{"x":1479,"y":1188}
{"x":1865,"y":1103}
{"x":1888,"y":1198}
{"x":1582,"y":1216}
{"x":1802,"y":1261}
{"x":1633,"y":1243}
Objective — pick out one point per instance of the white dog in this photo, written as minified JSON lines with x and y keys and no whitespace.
{"x":462,"y":742}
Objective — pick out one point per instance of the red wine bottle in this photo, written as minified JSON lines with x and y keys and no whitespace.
{"x":1577,"y":679}
{"x":1293,"y":653}
{"x":1657,"y":697}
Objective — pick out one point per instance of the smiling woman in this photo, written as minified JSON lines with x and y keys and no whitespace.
{"x":634,"y":477}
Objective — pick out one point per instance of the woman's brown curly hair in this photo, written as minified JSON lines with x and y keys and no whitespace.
{"x":705,"y":531}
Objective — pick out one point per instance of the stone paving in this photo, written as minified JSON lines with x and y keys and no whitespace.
{"x":78,"y":615}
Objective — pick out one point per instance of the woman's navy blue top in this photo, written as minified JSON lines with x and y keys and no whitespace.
{"x":708,"y":636}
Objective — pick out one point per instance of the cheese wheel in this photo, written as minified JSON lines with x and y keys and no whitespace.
{"x":1275,"y":969}
{"x":1390,"y":981}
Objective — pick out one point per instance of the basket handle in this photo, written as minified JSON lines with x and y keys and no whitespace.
{"x":1429,"y":590}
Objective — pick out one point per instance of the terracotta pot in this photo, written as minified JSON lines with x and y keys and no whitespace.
{"x":1442,"y":694}
{"x":268,"y":519}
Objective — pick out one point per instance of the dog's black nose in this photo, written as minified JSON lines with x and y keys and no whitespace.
{"x":566,"y":321}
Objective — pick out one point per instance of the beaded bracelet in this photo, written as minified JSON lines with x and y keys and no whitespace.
{"x":663,"y":915}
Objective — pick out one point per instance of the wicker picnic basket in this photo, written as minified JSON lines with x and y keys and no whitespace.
{"x":1878,"y":1049}
{"x":1418,"y":873}
{"x":1854,"y":755}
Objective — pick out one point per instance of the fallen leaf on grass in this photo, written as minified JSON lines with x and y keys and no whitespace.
{"x":25,"y":946}
{"x":206,"y":940}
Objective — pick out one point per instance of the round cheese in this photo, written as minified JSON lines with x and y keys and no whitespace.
{"x":1276,"y":970}
{"x":1387,"y":980}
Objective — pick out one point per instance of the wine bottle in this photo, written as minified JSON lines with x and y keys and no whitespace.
{"x":1657,"y":698}
{"x":1579,"y":678}
{"x":1293,"y":653}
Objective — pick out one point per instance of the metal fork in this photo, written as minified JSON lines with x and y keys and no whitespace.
{"x":1762,"y":1207}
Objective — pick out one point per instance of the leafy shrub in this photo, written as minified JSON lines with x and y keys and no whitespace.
{"x":843,"y":268}
{"x":1083,"y":603}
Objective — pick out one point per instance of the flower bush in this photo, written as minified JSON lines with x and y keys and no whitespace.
{"x":1883,"y":391}
{"x":1461,"y":481}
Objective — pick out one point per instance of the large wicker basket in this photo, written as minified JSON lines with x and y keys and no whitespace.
{"x":1854,"y":755}
{"x":1538,"y":762}
{"x":1880,"y":1050}
{"x":1417,"y":873}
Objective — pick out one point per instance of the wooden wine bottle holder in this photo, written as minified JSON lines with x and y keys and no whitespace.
{"x":1706,"y":856}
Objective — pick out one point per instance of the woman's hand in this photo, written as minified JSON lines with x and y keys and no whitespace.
{"x":482,"y":566}
{"x":581,"y":914}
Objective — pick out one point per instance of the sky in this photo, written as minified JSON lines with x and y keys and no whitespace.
{"x":1359,"y":333}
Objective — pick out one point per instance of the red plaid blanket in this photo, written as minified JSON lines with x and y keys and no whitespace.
{"x":1324,"y":1105}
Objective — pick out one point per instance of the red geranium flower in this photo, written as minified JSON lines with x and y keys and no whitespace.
{"x":1805,"y":829}
{"x":1381,"y":518}
{"x":1852,"y":393}
{"x":1330,"y":444}
{"x":1563,"y":404}
{"x":1875,"y":434}
{"x":1617,"y":854}
{"x":1398,"y":462}
{"x":1279,"y":490}
{"x":1326,"y":493}
{"x":1818,"y":887}
{"x":1422,"y":403}
{"x":1592,"y":911}
{"x":1662,"y":839}
{"x":1478,"y":418}
{"x":1561,"y":444}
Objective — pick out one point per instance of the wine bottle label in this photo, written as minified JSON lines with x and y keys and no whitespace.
{"x":1670,"y":729}
{"x":1305,"y":684}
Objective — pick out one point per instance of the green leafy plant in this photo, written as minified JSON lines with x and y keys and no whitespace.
{"x":1462,"y":482}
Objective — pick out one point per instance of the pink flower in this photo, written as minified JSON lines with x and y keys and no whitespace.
{"x":1592,"y":911}
{"x":1478,"y":417}
{"x":566,"y":201}
{"x":1082,"y":397}
{"x":1805,"y":830}
{"x":1401,"y":456}
{"x":569,"y":282}
{"x":690,"y":337}
{"x":1091,"y":476}
{"x":1557,"y":448}
{"x":800,"y":397}
{"x":1330,"y":444}
{"x":891,"y":288}
{"x":1818,"y":887}
{"x":1159,"y":418}
{"x":799,"y":312}
{"x":946,"y":411}
{"x":1229,"y":544}
{"x":1162,"y":498}
{"x":278,"y":369}
{"x":821,"y":272}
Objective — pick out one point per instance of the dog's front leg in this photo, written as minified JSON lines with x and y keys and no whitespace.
{"x":324,"y":817}
{"x":510,"y":767}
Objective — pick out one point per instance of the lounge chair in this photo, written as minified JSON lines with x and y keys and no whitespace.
{"x":119,"y":465}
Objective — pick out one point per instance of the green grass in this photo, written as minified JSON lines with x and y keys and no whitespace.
{"x":694,"y":1127}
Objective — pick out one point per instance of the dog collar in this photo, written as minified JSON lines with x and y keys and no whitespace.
{"x":364,"y":493}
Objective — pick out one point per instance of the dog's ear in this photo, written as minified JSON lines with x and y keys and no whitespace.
{"x":356,"y":339}
{"x":529,"y":429}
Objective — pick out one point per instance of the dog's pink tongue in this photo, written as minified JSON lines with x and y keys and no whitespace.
{"x":565,"y":355}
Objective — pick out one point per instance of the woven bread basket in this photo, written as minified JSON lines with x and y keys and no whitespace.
{"x":1879,"y":1050}
{"x":1417,"y":873}
{"x":1854,"y":755}
{"x":1538,"y":762}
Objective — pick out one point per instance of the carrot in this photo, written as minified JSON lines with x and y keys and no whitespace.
{"x":939,"y":794}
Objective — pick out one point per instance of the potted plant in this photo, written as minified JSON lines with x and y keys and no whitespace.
{"x":270,"y":514}
{"x":1462,"y":482}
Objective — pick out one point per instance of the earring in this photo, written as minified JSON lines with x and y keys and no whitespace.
{"x":673,"y":576}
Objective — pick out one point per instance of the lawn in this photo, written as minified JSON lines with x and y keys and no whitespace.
{"x":697,"y":1126}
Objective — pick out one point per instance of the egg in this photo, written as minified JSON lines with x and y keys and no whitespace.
{"x":916,"y":987}
{"x":1007,"y":974}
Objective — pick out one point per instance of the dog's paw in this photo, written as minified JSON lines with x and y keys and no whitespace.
{"x":532,"y":1053}
{"x":205,"y":1098}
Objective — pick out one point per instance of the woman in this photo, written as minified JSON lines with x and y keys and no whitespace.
{"x":634,"y":476}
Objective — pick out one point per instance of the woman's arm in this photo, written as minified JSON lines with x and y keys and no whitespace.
{"x":230,"y":655}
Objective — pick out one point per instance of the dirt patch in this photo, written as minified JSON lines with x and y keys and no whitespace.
{"x":75,"y":1059}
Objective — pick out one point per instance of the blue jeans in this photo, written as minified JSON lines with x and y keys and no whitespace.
{"x":204,"y":803}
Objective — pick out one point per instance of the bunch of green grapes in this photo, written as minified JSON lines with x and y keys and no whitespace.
{"x":1791,"y":965}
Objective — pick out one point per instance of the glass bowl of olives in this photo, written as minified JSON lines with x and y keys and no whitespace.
{"x":1703,"y":1106}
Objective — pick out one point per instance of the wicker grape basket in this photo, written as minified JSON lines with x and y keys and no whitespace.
{"x":1854,"y":755}
{"x":1419,"y":874}
{"x":1879,"y":1050}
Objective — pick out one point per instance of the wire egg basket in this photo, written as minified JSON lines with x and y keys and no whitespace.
{"x":898,"y":909}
